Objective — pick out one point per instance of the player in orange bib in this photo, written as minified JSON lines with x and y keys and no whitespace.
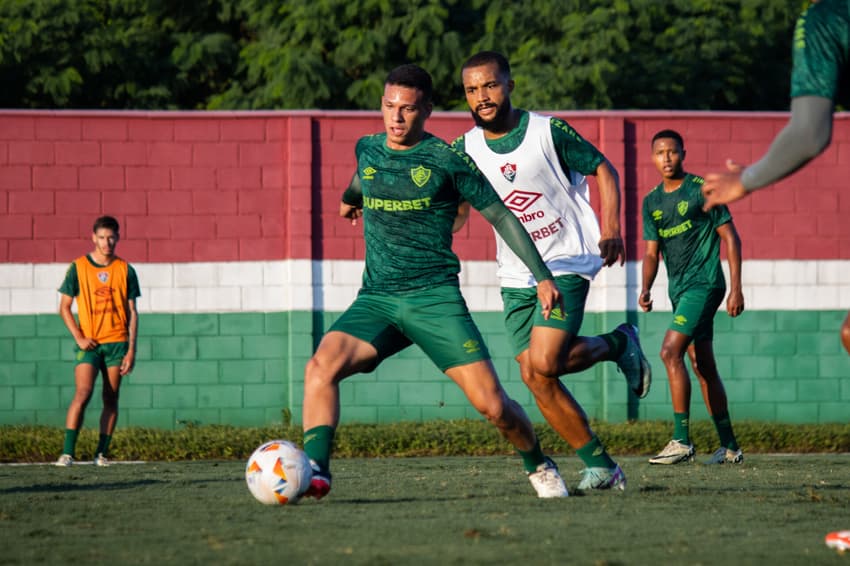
{"x":106,"y":288}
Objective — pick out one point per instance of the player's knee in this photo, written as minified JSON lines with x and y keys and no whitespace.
{"x":82,"y":395}
{"x":544,"y":364}
{"x":670,"y":354}
{"x":110,"y":399}
{"x":496,"y":410}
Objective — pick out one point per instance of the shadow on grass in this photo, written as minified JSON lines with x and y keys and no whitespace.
{"x":63,"y":487}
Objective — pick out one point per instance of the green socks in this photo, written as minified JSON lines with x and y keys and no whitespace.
{"x":723,"y":424}
{"x":103,"y":444}
{"x":318,"y":442}
{"x":616,"y":341}
{"x":70,"y":441}
{"x":681,"y":427}
{"x":532,"y":458}
{"x":594,"y":455}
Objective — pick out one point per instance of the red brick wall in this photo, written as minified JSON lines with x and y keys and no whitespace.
{"x":259,"y":185}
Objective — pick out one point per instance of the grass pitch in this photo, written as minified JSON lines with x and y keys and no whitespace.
{"x":453,"y":510}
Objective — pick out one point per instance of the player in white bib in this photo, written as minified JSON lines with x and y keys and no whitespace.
{"x":538,"y":165}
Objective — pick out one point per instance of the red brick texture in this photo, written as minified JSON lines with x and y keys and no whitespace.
{"x":229,"y":186}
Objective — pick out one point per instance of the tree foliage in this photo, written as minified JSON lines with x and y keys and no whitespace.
{"x":334,"y":54}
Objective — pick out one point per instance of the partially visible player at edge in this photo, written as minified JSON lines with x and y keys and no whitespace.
{"x":676,"y":227}
{"x":106,"y":288}
{"x":821,"y":55}
{"x":547,"y":160}
{"x":408,"y":187}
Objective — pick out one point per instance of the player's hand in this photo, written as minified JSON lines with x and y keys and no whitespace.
{"x":610,"y":249}
{"x":645,"y":301}
{"x":351,"y":212}
{"x":550,"y":297}
{"x":87,"y":344}
{"x":127,"y":363}
{"x":735,"y":303}
{"x":723,"y":188}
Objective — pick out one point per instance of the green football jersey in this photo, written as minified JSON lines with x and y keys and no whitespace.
{"x":821,"y":49}
{"x":574,"y":152}
{"x":410,"y":199}
{"x":686,"y":235}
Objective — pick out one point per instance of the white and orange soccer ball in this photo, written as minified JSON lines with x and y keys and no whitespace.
{"x":839,"y":540}
{"x":278,"y":473}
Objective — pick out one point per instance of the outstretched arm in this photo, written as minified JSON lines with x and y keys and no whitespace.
{"x":735,"y":300}
{"x":518,"y":240}
{"x":611,"y":243}
{"x":806,"y":135}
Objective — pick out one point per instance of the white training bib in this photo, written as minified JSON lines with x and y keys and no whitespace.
{"x":554,"y":208}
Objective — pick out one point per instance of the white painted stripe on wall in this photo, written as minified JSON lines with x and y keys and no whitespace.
{"x":275,"y":286}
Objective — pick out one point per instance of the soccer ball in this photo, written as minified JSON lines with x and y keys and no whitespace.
{"x":278,"y":473}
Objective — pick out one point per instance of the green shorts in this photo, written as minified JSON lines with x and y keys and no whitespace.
{"x":437,"y":320}
{"x":104,"y":356}
{"x":523,"y":311}
{"x":694,"y":310}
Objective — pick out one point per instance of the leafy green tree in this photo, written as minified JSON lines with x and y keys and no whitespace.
{"x":678,"y":54}
{"x":115,"y":53}
{"x":336,"y":53}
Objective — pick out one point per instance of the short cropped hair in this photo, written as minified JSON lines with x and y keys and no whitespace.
{"x":107,"y":222}
{"x":487,"y":57}
{"x":412,"y":76}
{"x":672,"y":134}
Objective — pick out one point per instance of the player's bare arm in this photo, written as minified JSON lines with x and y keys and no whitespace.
{"x":351,"y":206}
{"x":611,"y":242}
{"x":735,"y":300}
{"x":129,"y":360}
{"x":351,"y":212}
{"x":83,"y":342}
{"x":650,"y":271}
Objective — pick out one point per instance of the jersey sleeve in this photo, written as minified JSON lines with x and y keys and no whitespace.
{"x":720,"y":215}
{"x":353,"y":195}
{"x":70,"y":285}
{"x":459,"y":144}
{"x":134,"y":291}
{"x":650,"y":232}
{"x":820,"y":51}
{"x":575,"y":153}
{"x":471,"y":183}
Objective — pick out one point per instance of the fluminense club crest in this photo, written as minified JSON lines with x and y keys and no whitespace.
{"x":103,"y":276}
{"x":509,"y":171}
{"x":682,"y":207}
{"x":420,"y":176}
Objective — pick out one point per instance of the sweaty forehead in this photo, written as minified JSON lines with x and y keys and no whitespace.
{"x":480,"y":74}
{"x":401,"y":94}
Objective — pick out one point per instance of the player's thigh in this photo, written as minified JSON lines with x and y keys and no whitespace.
{"x":111,"y":381}
{"x":479,"y":383}
{"x":438,"y":321}
{"x":524,"y":315}
{"x":85,"y":374}
{"x":694,"y":310}
{"x":364,"y":335}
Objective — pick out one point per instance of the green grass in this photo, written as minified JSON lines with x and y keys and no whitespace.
{"x":773,"y":509}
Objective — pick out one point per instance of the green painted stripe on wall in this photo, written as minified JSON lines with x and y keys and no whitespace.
{"x":247,"y":369}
